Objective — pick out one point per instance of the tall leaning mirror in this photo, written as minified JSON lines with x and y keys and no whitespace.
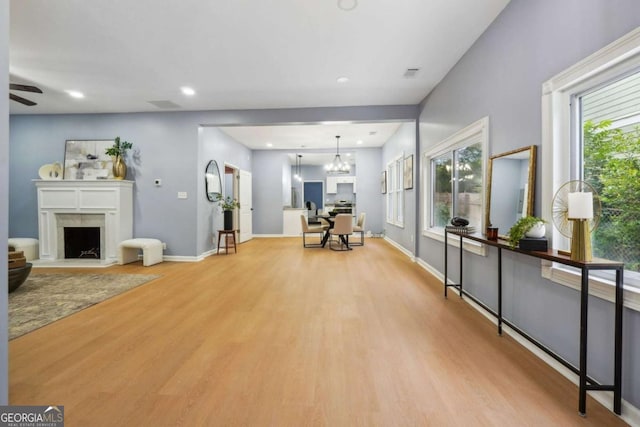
{"x":511,"y":188}
{"x":212,"y":181}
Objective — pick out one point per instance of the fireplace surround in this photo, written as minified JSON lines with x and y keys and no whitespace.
{"x":103,"y":204}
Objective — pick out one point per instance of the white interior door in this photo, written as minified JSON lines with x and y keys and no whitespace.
{"x":246,"y":208}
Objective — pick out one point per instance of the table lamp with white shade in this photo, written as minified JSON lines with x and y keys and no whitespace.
{"x":580,"y":212}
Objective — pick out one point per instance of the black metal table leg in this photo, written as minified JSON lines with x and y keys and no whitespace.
{"x":617,"y":376}
{"x":584,"y":302}
{"x":446,"y":251}
{"x":460,"y":266}
{"x":499,"y":291}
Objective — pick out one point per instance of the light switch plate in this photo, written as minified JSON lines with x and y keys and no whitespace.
{"x":182,"y":194}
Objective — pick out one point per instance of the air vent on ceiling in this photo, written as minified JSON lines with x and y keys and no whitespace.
{"x":411,"y":72}
{"x":164,"y":105}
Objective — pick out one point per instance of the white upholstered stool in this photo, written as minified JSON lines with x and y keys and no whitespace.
{"x":151,"y":251}
{"x":29,"y":246}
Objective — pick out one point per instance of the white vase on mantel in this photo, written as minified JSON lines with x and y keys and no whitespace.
{"x":537,"y":231}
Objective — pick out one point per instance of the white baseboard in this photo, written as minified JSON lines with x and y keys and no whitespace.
{"x":630,"y":414}
{"x":177,"y":258}
{"x":401,"y":248}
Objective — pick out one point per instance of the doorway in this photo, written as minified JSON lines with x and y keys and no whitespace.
{"x":313,"y":191}
{"x":237,"y":185}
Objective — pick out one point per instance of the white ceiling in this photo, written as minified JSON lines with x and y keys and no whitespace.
{"x":301,"y":137}
{"x":242,"y":55}
{"x":298,"y":139}
{"x":236,"y":54}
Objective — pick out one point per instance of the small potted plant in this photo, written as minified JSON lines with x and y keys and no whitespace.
{"x":118,"y":151}
{"x":524,"y":225}
{"x":228,"y":204}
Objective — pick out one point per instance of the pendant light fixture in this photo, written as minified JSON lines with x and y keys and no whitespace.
{"x":337,"y":166}
{"x":298,"y":174}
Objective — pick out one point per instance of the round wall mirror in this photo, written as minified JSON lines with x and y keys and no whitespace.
{"x":212,"y":182}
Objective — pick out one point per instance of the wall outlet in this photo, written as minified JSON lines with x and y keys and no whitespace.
{"x":164,"y":245}
{"x":182,"y":194}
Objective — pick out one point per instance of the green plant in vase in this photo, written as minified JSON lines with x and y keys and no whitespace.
{"x":228,"y":204}
{"x":522,"y":227}
{"x":118,"y":151}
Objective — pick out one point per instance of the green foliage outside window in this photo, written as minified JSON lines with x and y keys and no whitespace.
{"x":612,"y":167}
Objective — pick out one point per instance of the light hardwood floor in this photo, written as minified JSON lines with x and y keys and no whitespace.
{"x":278,"y":335}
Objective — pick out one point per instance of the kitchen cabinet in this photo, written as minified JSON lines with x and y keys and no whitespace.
{"x":333,"y":181}
{"x":291,"y":221}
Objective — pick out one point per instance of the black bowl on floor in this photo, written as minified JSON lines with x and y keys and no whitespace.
{"x":17,"y":276}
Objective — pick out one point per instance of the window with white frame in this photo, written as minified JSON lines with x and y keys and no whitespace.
{"x":454,"y":179}
{"x":608,"y":153}
{"x":596,"y":105}
{"x":395,"y":192}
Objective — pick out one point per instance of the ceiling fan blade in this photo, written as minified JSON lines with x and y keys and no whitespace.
{"x":21,"y":100}
{"x":25,"y":88}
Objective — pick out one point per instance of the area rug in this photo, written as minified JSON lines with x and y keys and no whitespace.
{"x":45,"y":298}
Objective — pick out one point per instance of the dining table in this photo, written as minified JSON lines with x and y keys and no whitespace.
{"x":331,"y":220}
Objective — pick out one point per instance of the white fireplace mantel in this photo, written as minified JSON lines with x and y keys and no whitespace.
{"x":112,"y":199}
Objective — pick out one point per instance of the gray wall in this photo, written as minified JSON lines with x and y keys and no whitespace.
{"x":168,"y":147}
{"x":402,"y":142}
{"x":501,"y":76}
{"x":269,"y":188}
{"x":4,"y":198}
{"x":215,"y":145}
{"x":164,"y":146}
{"x":368,"y":197}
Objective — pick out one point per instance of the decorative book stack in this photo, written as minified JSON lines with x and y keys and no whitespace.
{"x":464,"y":229}
{"x":533,"y":244}
{"x":17,"y":259}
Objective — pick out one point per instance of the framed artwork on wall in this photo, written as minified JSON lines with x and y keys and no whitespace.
{"x":383,"y":182}
{"x":408,"y":172}
{"x":86,"y":159}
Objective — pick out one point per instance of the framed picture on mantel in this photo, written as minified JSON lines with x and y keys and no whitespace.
{"x":86,"y":159}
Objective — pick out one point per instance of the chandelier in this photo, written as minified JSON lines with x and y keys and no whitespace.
{"x":337,"y":166}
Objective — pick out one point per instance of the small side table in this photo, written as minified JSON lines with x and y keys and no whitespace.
{"x":229,"y":236}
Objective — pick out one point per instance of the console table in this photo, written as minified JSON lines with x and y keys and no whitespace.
{"x":586,"y":382}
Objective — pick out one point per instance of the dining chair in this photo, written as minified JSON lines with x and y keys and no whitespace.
{"x":311,"y":230}
{"x":359,"y":228}
{"x":342,"y":228}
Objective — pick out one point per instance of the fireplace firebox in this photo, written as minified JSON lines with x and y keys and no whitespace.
{"x":82,"y":242}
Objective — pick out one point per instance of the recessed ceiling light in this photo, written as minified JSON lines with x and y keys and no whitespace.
{"x":187,"y":91}
{"x":347,"y":4}
{"x":359,"y":142}
{"x":75,"y":94}
{"x":342,"y":79}
{"x":269,"y":144}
